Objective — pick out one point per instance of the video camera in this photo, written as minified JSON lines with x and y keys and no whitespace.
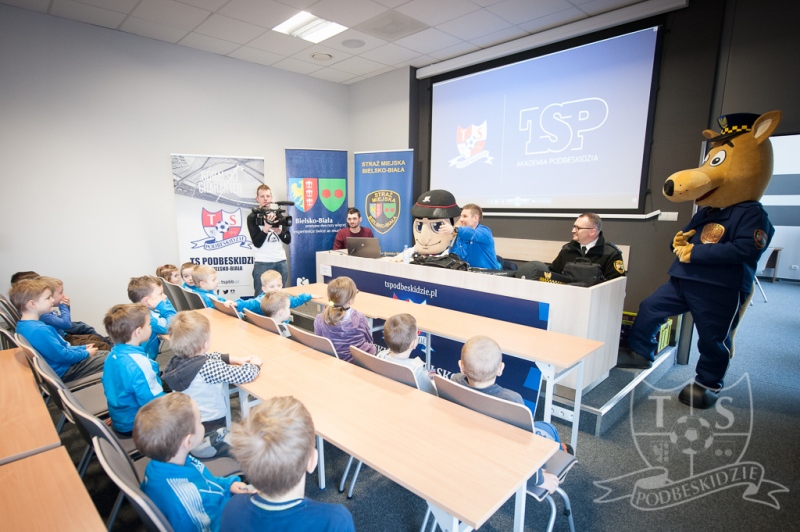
{"x":281,"y":218}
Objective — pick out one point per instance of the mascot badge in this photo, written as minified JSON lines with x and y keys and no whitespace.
{"x":716,"y":253}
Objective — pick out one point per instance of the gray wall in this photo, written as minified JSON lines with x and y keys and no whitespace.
{"x":91,"y":115}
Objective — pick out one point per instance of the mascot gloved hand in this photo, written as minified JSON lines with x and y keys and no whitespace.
{"x":716,"y":253}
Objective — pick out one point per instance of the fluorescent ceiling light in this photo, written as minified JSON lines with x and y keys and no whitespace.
{"x":309,"y":27}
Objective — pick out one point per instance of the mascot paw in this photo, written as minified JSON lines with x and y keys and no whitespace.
{"x":696,"y":396}
{"x":682,"y":239}
{"x":684,"y":253}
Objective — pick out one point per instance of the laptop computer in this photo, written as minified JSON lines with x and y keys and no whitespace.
{"x":369,"y":248}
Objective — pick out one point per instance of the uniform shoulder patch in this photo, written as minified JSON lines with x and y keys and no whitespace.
{"x":760,"y":238}
{"x":619,"y":266}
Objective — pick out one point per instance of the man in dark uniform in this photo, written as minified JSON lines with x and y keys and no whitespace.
{"x":588,"y":242}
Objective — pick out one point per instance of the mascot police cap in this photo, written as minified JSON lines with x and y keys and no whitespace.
{"x":436,"y":204}
{"x":735,"y":124}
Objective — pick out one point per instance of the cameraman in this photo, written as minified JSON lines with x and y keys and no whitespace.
{"x":268,"y":241}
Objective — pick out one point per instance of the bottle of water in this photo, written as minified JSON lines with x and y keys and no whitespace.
{"x":406,"y":257}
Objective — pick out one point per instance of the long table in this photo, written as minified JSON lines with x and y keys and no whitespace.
{"x":557,"y":355}
{"x":27,"y":426}
{"x":386,"y":424}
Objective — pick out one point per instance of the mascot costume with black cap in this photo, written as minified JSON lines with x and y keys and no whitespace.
{"x":716,"y":253}
{"x":434,"y":215}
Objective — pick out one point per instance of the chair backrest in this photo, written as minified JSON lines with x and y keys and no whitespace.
{"x":51,"y":382}
{"x":506,"y":411}
{"x":220,"y":306}
{"x":89,"y":426}
{"x":193,"y":299}
{"x":7,"y":339}
{"x":175,"y":294}
{"x":121,"y":472}
{"x":268,"y":324}
{"x":320,"y":343}
{"x":30,"y":354}
{"x":7,"y":317}
{"x":387,"y":368}
{"x":4,"y":302}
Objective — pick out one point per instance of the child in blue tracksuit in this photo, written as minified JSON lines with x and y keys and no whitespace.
{"x":186,"y":275}
{"x":149,"y":291}
{"x":130,"y":377}
{"x":75,"y":333}
{"x":271,"y":281}
{"x":276,"y":305}
{"x":189,"y":496}
{"x":33,"y":298}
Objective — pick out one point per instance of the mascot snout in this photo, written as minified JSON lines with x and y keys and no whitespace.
{"x":688,"y":185}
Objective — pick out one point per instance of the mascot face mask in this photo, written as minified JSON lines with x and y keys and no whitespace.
{"x":433,"y":221}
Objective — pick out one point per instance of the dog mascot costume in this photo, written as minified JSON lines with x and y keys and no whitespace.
{"x":716,"y":253}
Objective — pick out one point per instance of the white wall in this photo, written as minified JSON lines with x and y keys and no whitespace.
{"x":90,"y":117}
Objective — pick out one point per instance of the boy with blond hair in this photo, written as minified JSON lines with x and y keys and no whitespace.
{"x":277,"y":305}
{"x":188,"y":495}
{"x":149,"y":291}
{"x":481,"y":363}
{"x":130,"y":377}
{"x":75,"y":333}
{"x":33,"y":298}
{"x":205,"y":284}
{"x":271,"y":281}
{"x":275,"y":448}
{"x":401,"y":336}
{"x":202,"y":375}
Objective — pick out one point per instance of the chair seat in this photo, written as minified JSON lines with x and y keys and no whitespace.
{"x":83,"y":381}
{"x":93,"y":399}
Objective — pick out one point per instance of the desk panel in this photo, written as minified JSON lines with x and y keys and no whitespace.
{"x":27,"y":426}
{"x":44,"y":492}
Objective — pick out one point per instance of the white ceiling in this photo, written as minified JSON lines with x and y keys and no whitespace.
{"x":388,"y":34}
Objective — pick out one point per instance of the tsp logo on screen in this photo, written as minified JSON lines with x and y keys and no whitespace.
{"x":471,"y":142}
{"x":561,"y":126}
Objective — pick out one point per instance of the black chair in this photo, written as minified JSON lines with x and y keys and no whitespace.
{"x":9,"y":307}
{"x":193,"y":300}
{"x":9,"y":318}
{"x":119,"y":469}
{"x":7,"y":340}
{"x":320,"y":343}
{"x":175,"y":294}
{"x":220,"y":306}
{"x":268,"y":324}
{"x":75,"y":384}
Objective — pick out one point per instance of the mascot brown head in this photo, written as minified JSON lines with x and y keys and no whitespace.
{"x":737,"y":168}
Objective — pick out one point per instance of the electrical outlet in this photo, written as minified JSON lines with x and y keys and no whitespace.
{"x":668,"y":217}
{"x":794,"y":267}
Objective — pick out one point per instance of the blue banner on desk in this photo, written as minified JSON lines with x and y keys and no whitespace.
{"x":519,"y":375}
{"x":317,"y":183}
{"x":384,"y":181}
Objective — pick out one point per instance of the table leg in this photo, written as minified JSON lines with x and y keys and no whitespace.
{"x":447,"y":522}
{"x":428,"y":351}
{"x":577,"y":412}
{"x":519,"y":508}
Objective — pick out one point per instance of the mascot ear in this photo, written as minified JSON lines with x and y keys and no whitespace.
{"x":765,"y":125}
{"x":710,"y":135}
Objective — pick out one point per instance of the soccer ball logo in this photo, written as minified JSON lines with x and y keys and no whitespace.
{"x":220,"y":228}
{"x":691,"y":435}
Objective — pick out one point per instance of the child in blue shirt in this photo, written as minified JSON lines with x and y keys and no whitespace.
{"x":188,"y":495}
{"x":481,"y":363}
{"x":205,"y":284}
{"x":130,"y":377}
{"x":186,"y":275}
{"x":271,"y":281}
{"x":149,"y":291}
{"x":60,"y":318}
{"x":276,"y":305}
{"x":275,"y":448}
{"x":33,"y":298}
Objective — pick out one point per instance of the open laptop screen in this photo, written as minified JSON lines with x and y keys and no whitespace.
{"x":368,"y":248}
